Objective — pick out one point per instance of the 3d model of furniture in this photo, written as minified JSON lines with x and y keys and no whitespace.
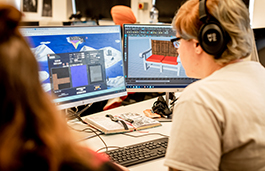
{"x":162,"y":55}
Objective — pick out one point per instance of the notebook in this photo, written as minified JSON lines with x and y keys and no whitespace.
{"x":108,"y":126}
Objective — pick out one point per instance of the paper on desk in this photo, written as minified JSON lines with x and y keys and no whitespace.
{"x":107,"y":126}
{"x":149,"y":113}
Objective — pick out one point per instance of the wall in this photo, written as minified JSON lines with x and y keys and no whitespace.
{"x":59,"y":12}
{"x":62,"y":9}
{"x":256,"y":8}
{"x":257,"y":13}
{"x":142,"y":16}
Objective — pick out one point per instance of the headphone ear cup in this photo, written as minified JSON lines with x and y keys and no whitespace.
{"x":212,"y":39}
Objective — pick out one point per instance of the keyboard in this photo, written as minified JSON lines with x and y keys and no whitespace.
{"x":138,"y":153}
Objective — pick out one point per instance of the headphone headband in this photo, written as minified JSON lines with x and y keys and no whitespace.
{"x":212,"y":37}
{"x":202,"y":10}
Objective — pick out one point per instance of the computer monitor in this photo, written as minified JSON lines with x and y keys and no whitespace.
{"x":97,"y":9}
{"x":78,"y":64}
{"x":151,"y":63}
{"x":167,"y":9}
{"x":259,"y":34}
{"x":80,"y":23}
{"x":29,"y":23}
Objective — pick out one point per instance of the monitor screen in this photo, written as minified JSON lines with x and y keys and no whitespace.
{"x":80,"y":23}
{"x":151,"y":63}
{"x":78,"y":64}
{"x":29,"y":23}
{"x":167,"y":9}
{"x":259,"y":34}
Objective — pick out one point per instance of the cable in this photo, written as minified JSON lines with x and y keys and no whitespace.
{"x":100,"y":139}
{"x":91,"y":131}
{"x":77,"y":115}
{"x":98,"y":136}
{"x":173,"y":101}
{"x":80,"y":119}
{"x":83,"y":130}
{"x":92,"y":136}
{"x":137,"y":136}
{"x":106,"y":148}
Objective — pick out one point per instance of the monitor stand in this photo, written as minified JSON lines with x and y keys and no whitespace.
{"x":167,"y":98}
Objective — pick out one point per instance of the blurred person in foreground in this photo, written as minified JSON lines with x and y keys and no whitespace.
{"x":33,"y":134}
{"x":219,"y":120}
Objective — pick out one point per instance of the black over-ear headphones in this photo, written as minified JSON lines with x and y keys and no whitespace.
{"x":212,"y":37}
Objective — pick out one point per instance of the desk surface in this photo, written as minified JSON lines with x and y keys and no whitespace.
{"x":125,"y":140}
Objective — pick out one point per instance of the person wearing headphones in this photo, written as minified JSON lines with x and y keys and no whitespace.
{"x":33,"y":133}
{"x":219,"y":120}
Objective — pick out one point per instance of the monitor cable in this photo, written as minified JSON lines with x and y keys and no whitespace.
{"x":107,"y":148}
{"x":77,"y":116}
{"x":87,"y":130}
{"x":95,"y":132}
{"x":137,"y":136}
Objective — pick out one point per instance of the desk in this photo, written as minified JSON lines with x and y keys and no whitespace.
{"x":123,"y":140}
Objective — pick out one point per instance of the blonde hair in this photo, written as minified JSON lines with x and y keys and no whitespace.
{"x":233,"y":15}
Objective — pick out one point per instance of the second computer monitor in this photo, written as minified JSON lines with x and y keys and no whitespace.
{"x":151,"y":62}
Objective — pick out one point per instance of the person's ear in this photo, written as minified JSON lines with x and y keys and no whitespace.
{"x":197,"y":47}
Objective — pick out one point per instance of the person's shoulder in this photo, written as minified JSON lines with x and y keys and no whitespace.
{"x":201,"y":89}
{"x":195,"y":87}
